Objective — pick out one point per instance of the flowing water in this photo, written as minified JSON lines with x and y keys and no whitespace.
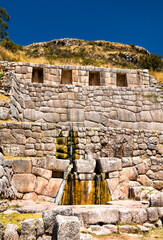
{"x":85,"y":192}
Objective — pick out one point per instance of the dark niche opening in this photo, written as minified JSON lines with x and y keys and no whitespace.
{"x":66,"y":77}
{"x":57,"y":174}
{"x":121,"y":80}
{"x":37,"y":75}
{"x":94,"y":79}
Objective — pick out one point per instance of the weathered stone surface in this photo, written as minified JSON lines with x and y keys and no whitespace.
{"x":53,"y":186}
{"x":128,"y":173}
{"x":128,"y":229}
{"x":125,"y":216}
{"x":4,"y":113}
{"x":68,"y":228}
{"x":126,"y":162}
{"x":84,"y":166}
{"x":22,"y":166}
{"x":1,"y":230}
{"x":84,"y":236}
{"x":42,"y":172}
{"x":144,"y":180}
{"x":58,"y":165}
{"x":50,"y":217}
{"x":11,"y":232}
{"x":158,"y":184}
{"x":99,"y":230}
{"x":30,"y":196}
{"x":143,"y":228}
{"x":51,"y":117}
{"x":152,"y":214}
{"x":103,"y":215}
{"x":111,"y":227}
{"x":139,"y":215}
{"x":39,"y":227}
{"x":2,"y":172}
{"x":40,"y":185}
{"x":28,"y":230}
{"x":156,"y":200}
{"x":24,"y":182}
{"x":105,"y":165}
{"x":3,"y":205}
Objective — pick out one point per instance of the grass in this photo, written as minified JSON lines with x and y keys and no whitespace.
{"x":157,"y":75}
{"x":4,"y":98}
{"x":17,"y":218}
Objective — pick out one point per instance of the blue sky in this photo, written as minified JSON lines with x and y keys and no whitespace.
{"x":138,"y":22}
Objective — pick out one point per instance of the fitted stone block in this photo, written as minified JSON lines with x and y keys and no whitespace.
{"x":58,"y":165}
{"x":22,"y":166}
{"x":68,"y":228}
{"x":105,"y":165}
{"x":24,"y":182}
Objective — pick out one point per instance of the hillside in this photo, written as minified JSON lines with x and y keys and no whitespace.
{"x":79,"y":52}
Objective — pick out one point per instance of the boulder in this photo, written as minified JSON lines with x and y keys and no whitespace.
{"x":139,"y":215}
{"x":109,"y":164}
{"x":143,"y":229}
{"x":24,"y":182}
{"x":11,"y":232}
{"x":3,"y":205}
{"x":42,"y":172}
{"x":28,"y":230}
{"x":50,"y":217}
{"x":22,"y":166}
{"x":84,"y":166}
{"x":39,"y":227}
{"x":4,"y":113}
{"x":156,"y":200}
{"x":67,"y":228}
{"x":58,"y":165}
{"x":128,"y":229}
{"x":152,"y":214}
{"x":125,"y":216}
{"x":1,"y":230}
{"x":103,"y":215}
{"x":52,"y":187}
{"x":40,"y":185}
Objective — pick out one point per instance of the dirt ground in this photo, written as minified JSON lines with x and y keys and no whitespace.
{"x":152,"y":235}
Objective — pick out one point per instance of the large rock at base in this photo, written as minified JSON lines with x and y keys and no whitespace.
{"x":24,"y":182}
{"x":102,"y":215}
{"x":28,"y":230}
{"x":84,"y":166}
{"x":58,"y":165}
{"x":50,"y":217}
{"x":139,"y":215}
{"x":1,"y":230}
{"x":110,"y":164}
{"x":152,"y":214}
{"x":11,"y":232}
{"x":67,"y":228}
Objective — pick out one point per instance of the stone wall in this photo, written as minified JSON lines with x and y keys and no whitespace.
{"x":138,"y":157}
{"x":80,"y":74}
{"x":39,"y":139}
{"x":7,"y":188}
{"x":90,"y":106}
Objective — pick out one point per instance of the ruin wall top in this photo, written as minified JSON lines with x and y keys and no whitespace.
{"x":78,"y":75}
